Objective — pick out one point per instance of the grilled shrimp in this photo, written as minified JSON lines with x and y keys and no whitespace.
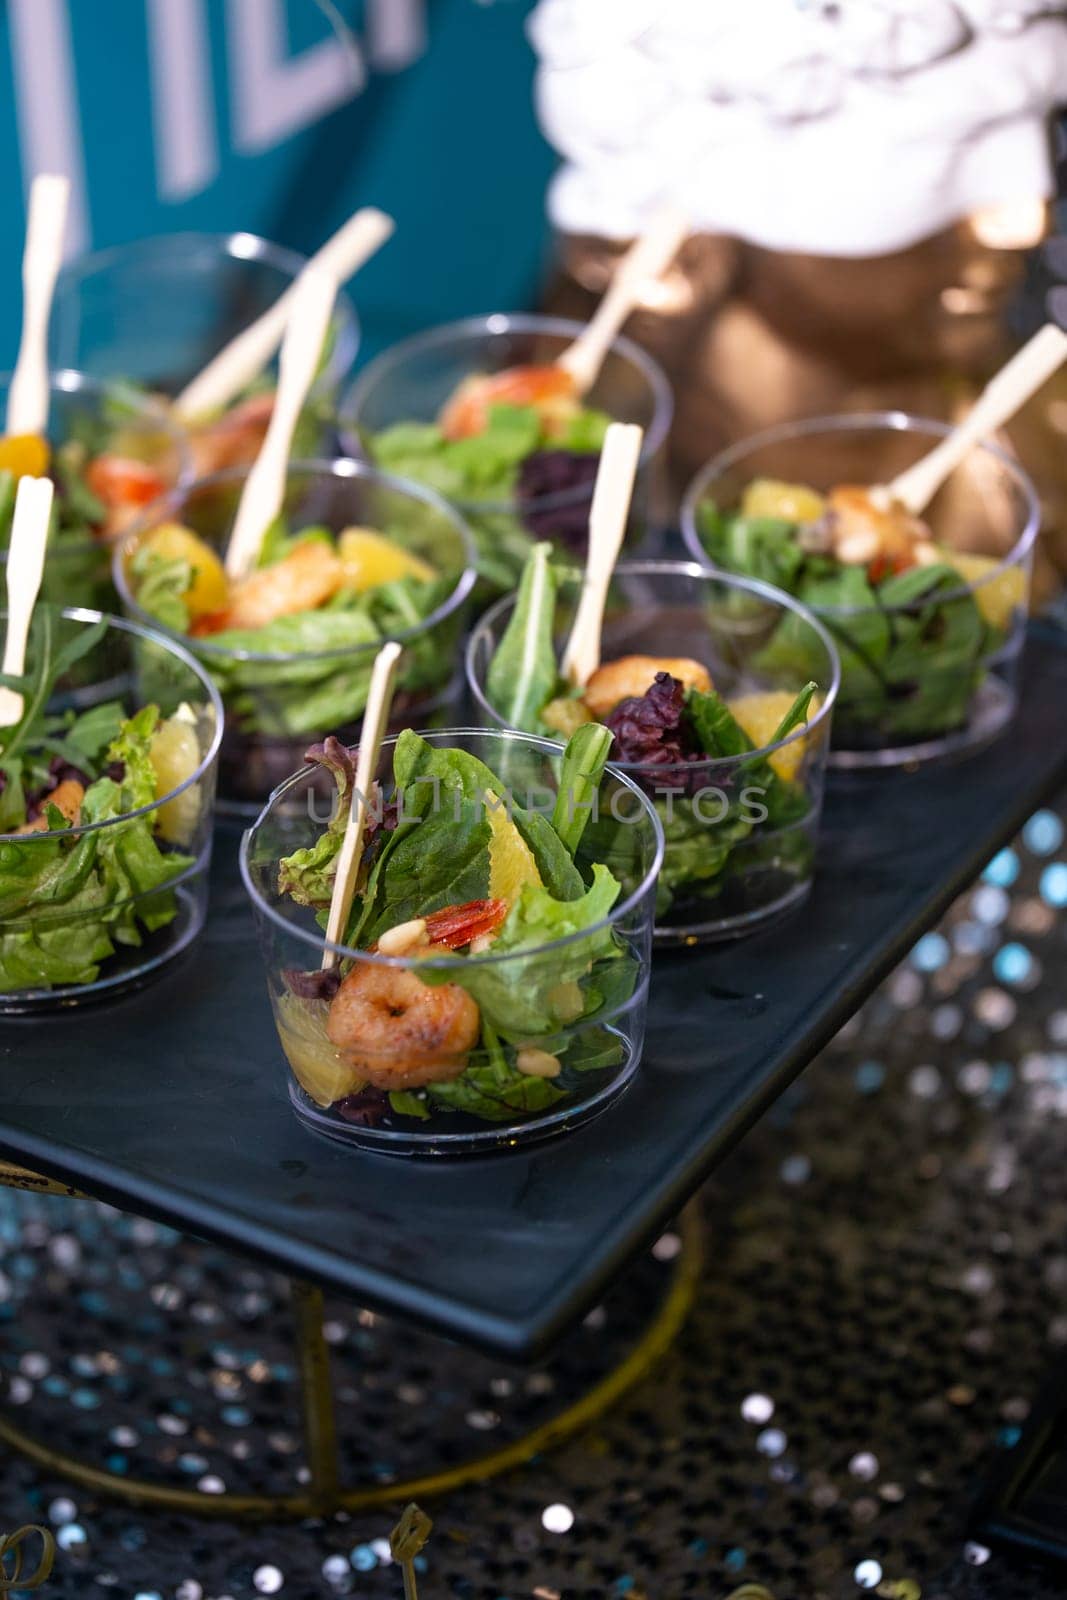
{"x":67,"y":798}
{"x":630,"y":676}
{"x":301,"y":581}
{"x":864,"y":533}
{"x":398,"y":1032}
{"x":549,"y":389}
{"x":232,"y":440}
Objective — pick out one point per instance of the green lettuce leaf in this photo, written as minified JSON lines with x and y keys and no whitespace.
{"x":527,"y":996}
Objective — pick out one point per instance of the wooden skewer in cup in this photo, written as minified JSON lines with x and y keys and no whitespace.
{"x":648,"y":258}
{"x":244,"y":358}
{"x":612,"y":494}
{"x":375,"y":722}
{"x":1002,"y":397}
{"x":27,"y":402}
{"x":264,"y":490}
{"x":25,"y":565}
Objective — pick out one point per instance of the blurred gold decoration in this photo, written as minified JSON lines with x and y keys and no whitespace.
{"x":752,"y":337}
{"x":405,"y":1543}
{"x":751,"y":1591}
{"x":14,"y":1559}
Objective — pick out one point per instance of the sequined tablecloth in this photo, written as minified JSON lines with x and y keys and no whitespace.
{"x":886,"y":1283}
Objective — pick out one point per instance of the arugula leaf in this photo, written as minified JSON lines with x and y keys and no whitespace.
{"x":523,"y":673}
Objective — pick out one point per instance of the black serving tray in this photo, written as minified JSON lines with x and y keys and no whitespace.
{"x":172,"y":1101}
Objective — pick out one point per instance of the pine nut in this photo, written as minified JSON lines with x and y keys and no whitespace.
{"x":406,"y":936}
{"x":538,"y":1063}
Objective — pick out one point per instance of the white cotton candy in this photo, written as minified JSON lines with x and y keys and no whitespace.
{"x":851,"y":128}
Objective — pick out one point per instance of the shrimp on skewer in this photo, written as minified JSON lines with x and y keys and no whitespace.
{"x":399,"y":1033}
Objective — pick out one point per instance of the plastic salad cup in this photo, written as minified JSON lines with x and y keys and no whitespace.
{"x":508,"y":494}
{"x":289,"y":682}
{"x":154,"y":311}
{"x":930,"y":653}
{"x":111,"y":883}
{"x":545,"y":1026}
{"x":111,"y":452}
{"x":740,"y":829}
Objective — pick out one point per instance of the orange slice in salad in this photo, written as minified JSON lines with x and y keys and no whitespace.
{"x":370,"y":559}
{"x":760,"y":714}
{"x":210,"y":589}
{"x":24,"y":455}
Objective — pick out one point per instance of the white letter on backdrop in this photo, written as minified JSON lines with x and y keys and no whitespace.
{"x":183,"y":104}
{"x":275,"y":94}
{"x":396,"y":33}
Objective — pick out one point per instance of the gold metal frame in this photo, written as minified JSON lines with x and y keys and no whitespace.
{"x":325,"y":1493}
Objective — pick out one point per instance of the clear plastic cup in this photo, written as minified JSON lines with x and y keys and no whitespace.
{"x":927,"y":679}
{"x":279,"y":703}
{"x":91,"y":931}
{"x":413,"y":380}
{"x":606,"y":964}
{"x":727,"y":866}
{"x":107,"y":420}
{"x":154,"y":311}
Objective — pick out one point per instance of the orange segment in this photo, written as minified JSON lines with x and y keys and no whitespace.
{"x":26,"y":455}
{"x":760,"y":714}
{"x":997,"y":598}
{"x":792,"y":502}
{"x":210,"y":589}
{"x":370,"y":559}
{"x":511,"y":861}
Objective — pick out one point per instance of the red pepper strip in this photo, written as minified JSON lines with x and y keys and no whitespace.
{"x":456,"y":926}
{"x":122,"y":481}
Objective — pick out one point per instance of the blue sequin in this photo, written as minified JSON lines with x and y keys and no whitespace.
{"x":930,"y":953}
{"x":1054,"y":884}
{"x":1043,"y":833}
{"x":363,"y":1558}
{"x":734,"y":1559}
{"x":1008,"y":1437}
{"x":1012,"y":963}
{"x":1002,"y":870}
{"x":870,"y":1076}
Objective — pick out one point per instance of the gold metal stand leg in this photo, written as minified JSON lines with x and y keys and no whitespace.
{"x":324,"y":1493}
{"x":320,"y":1433}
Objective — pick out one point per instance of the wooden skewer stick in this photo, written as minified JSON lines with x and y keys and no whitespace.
{"x":27,"y":402}
{"x":244,"y":358}
{"x":648,"y":258}
{"x":264,"y":490}
{"x":375,"y":722}
{"x":612,"y":494}
{"x":1002,"y":397}
{"x":25,"y":564}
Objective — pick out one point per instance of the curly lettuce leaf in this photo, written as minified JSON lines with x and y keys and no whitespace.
{"x":529,"y":995}
{"x":66,"y":903}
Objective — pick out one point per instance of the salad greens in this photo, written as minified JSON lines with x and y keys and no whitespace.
{"x":913,"y":643}
{"x":324,"y":683}
{"x":106,"y":467}
{"x":455,"y":828}
{"x":498,"y":475}
{"x":69,"y":898}
{"x":724,"y":826}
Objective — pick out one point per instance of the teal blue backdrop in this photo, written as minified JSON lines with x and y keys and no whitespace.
{"x":252,"y":114}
